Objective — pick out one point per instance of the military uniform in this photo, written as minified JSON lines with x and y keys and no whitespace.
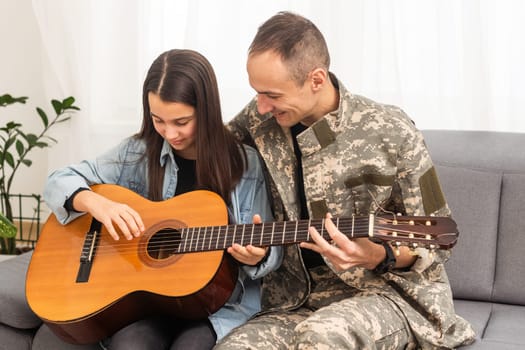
{"x":357,"y":159}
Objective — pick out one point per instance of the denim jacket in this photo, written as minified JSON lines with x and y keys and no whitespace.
{"x":123,"y":165}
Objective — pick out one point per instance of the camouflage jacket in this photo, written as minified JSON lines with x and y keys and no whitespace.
{"x":357,"y":158}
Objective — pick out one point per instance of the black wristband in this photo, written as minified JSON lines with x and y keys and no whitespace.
{"x":388,"y":263}
{"x":68,"y":204}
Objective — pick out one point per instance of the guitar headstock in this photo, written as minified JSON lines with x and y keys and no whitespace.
{"x":430,"y":232}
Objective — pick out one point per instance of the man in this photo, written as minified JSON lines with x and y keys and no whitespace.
{"x":329,"y":151}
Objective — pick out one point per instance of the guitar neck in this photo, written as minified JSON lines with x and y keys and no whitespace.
{"x":412,"y":231}
{"x":196,"y":239}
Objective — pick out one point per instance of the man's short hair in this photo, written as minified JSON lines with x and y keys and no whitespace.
{"x":297,"y":40}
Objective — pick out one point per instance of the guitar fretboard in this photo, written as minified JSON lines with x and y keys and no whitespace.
{"x":196,"y":239}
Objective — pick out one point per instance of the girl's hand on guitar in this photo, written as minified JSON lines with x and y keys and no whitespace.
{"x":110,"y":213}
{"x":249,"y":255}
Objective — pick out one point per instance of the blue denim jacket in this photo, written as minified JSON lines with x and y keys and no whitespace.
{"x":122,"y":165}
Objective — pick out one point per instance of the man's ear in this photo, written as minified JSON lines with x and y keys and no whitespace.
{"x":318,"y":78}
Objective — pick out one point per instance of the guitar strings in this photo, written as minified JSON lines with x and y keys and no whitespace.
{"x":197,"y":240}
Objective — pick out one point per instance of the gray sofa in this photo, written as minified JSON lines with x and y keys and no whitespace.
{"x":483,"y":177}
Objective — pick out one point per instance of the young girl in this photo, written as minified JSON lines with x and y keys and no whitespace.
{"x":182,"y":146}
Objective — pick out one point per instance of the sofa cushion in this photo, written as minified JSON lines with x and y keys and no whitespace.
{"x":497,"y":326}
{"x":14,"y":310}
{"x":473,"y":260}
{"x":509,"y":286}
{"x":15,"y":339}
{"x":45,"y":339}
{"x":476,"y":312}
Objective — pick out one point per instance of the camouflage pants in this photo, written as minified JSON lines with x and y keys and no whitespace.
{"x":339,"y":321}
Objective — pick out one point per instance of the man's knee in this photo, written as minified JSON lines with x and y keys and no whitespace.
{"x":356,"y":323}
{"x":270,"y":331}
{"x":319,"y":332}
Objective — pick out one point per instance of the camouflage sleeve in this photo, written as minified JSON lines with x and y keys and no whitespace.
{"x":419,"y":186}
{"x":416,"y":191}
{"x":420,"y":191}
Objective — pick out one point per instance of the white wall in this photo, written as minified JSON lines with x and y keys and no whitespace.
{"x":359,"y":37}
{"x":21,"y":75}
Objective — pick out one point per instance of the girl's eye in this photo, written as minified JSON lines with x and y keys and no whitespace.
{"x":182,"y":122}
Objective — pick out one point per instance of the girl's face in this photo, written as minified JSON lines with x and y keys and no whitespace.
{"x":176,"y":123}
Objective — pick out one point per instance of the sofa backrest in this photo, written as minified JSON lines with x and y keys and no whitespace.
{"x":483,"y":178}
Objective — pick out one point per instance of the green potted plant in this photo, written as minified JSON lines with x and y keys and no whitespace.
{"x":15,"y":146}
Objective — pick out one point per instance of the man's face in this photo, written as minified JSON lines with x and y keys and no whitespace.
{"x":277,"y":93}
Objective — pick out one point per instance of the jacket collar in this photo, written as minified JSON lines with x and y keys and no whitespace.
{"x":166,"y":153}
{"x":275,"y":146}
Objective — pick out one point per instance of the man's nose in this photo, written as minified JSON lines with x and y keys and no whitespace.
{"x":263,"y":104}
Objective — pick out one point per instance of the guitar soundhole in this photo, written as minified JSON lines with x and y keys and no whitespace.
{"x":164,"y":243}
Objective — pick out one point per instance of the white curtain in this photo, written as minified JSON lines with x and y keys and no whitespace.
{"x":450,"y":64}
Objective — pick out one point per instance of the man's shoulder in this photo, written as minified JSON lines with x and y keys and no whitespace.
{"x":362,"y":103}
{"x":364,"y":111}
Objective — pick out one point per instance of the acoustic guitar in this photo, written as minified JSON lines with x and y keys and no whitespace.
{"x":85,"y":286}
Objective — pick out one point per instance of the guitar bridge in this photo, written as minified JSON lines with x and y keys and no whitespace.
{"x":89,"y":249}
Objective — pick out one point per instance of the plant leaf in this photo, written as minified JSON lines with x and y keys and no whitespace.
{"x":43,"y":116}
{"x":19,"y":147}
{"x":57,"y":105}
{"x":27,"y":162}
{"x":7,"y":229}
{"x":68,"y":102}
{"x":9,"y":142}
{"x":13,"y":125}
{"x":7,"y":99}
{"x":9,"y":159}
{"x":31,"y":139}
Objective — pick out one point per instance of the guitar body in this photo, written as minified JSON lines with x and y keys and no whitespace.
{"x":126,"y":282}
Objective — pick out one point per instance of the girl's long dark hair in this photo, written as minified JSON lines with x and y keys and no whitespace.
{"x":185,"y":76}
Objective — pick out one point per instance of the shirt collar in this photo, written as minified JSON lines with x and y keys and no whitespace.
{"x":165,"y":153}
